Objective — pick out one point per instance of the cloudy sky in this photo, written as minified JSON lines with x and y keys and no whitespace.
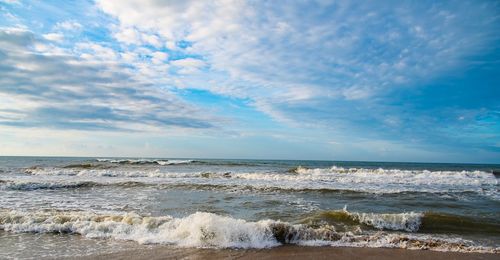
{"x":334,"y":80}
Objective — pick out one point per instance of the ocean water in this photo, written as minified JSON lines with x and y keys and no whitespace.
{"x":56,"y":207}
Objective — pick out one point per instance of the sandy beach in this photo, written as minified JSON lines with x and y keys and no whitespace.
{"x":290,"y":252}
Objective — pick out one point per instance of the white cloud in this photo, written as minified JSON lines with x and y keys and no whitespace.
{"x":68,"y":25}
{"x":11,"y":1}
{"x":188,"y":62}
{"x":302,"y":52}
{"x":95,"y":93}
{"x":128,"y":36}
{"x":171,"y":45}
{"x":129,"y":57}
{"x":94,"y":51}
{"x":56,"y":37}
{"x":188,"y":65}
{"x":355,"y":92}
{"x":159,"y":57}
{"x":152,"y":40}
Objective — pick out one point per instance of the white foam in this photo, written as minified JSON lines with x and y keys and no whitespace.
{"x":335,"y":178}
{"x":413,"y":242}
{"x":129,"y":173}
{"x":380,"y":180}
{"x":197,"y":230}
{"x":389,"y":176}
{"x":29,"y":185}
{"x":203,"y":229}
{"x":145,"y":161}
{"x":173,"y":162}
{"x":409,"y":221}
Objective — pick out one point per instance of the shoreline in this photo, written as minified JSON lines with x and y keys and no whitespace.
{"x":289,"y":252}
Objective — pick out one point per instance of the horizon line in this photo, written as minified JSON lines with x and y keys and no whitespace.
{"x":250,"y":159}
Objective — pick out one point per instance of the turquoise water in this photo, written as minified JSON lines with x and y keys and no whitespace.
{"x":110,"y":204}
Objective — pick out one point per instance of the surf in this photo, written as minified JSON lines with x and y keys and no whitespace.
{"x":208,"y":230}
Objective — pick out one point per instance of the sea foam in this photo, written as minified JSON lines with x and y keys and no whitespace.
{"x":410,"y":221}
{"x":208,"y":230}
{"x":300,"y":178}
{"x":145,"y":161}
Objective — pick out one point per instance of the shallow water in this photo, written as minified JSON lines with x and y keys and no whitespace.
{"x":115,"y":202}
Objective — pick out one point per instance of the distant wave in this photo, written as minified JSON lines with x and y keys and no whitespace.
{"x":145,"y":161}
{"x":47,"y":185}
{"x":179,"y":162}
{"x":83,"y":166}
{"x":378,"y":180}
{"x":382,"y":171}
{"x":204,"y":229}
{"x":128,"y":173}
{"x":57,"y":185}
{"x":27,"y":186}
{"x":381,"y":181}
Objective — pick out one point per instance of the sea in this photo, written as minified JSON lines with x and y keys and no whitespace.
{"x":65,"y":207}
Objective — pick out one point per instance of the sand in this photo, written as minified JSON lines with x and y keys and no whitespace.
{"x":291,"y":252}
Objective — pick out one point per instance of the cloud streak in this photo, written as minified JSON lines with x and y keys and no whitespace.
{"x":316,"y":49}
{"x":63,"y":91}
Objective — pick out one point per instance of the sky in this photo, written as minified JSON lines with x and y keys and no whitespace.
{"x":415,"y":81}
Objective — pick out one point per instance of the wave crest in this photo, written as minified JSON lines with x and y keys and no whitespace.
{"x":408,"y":221}
{"x":145,"y":161}
{"x":380,"y":181}
{"x":30,"y":186}
{"x":203,"y":229}
{"x":428,"y":222}
{"x":403,"y":221}
{"x":27,"y":186}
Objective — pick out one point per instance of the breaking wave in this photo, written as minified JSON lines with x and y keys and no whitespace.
{"x":401,"y":221}
{"x":83,"y":166}
{"x":409,"y":222}
{"x":421,"y":176}
{"x":380,"y":181}
{"x":26,"y":186}
{"x":145,"y":161}
{"x":29,"y":185}
{"x":128,"y":173}
{"x":208,"y":230}
{"x":428,"y":222}
{"x":183,"y":162}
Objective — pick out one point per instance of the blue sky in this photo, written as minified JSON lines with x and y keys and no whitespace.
{"x":331,"y":80}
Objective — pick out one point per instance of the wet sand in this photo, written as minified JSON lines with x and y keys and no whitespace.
{"x":291,"y":252}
